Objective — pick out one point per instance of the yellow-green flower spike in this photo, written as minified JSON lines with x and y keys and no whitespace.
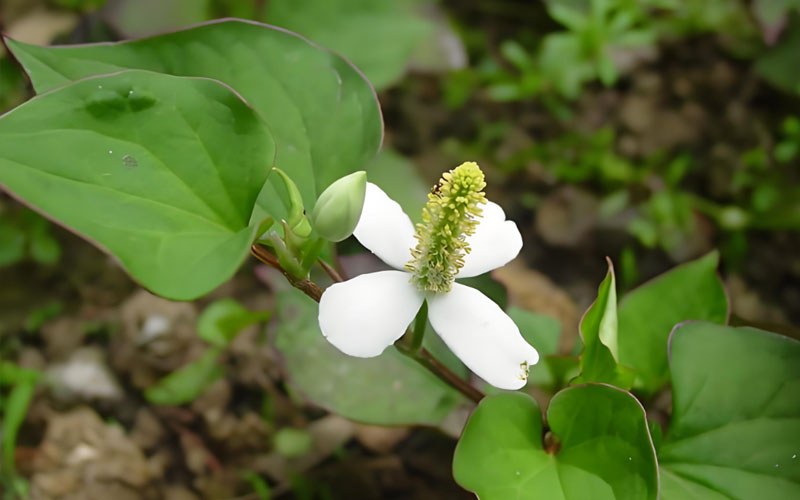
{"x":448,"y":218}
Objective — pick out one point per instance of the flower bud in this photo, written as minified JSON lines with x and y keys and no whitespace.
{"x":339,"y":207}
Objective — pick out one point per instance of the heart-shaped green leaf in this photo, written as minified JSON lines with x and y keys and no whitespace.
{"x":735,"y":430}
{"x":162,"y":171}
{"x":647,"y":315}
{"x":322,"y":113}
{"x":390,"y":389}
{"x":604,"y":451}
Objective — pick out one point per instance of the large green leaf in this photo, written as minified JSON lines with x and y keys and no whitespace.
{"x":378,"y":36}
{"x":605,"y":451}
{"x":647,"y":315}
{"x":390,"y":389}
{"x":322,"y":113}
{"x":735,"y":430}
{"x":160,"y":170}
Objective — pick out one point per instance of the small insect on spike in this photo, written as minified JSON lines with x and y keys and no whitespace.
{"x":448,"y":218}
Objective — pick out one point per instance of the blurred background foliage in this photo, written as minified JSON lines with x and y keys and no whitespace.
{"x":651,"y":131}
{"x":666,"y":116}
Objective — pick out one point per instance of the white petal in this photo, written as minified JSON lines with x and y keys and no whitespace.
{"x":365,"y":315}
{"x":385,"y":229}
{"x":495,"y":242}
{"x":482,"y":336}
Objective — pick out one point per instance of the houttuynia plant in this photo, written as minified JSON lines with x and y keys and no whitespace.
{"x":180,"y":154}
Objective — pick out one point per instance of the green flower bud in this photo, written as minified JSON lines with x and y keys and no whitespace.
{"x":339,"y":207}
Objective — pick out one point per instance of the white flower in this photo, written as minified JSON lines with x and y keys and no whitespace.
{"x":365,"y":315}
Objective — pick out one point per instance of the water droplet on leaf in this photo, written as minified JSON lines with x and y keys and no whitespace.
{"x":129,"y":161}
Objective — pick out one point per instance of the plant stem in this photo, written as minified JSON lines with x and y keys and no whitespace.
{"x":426,"y":359}
{"x":419,"y":354}
{"x":420,"y":322}
{"x":333,"y":273}
{"x":306,"y":286}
